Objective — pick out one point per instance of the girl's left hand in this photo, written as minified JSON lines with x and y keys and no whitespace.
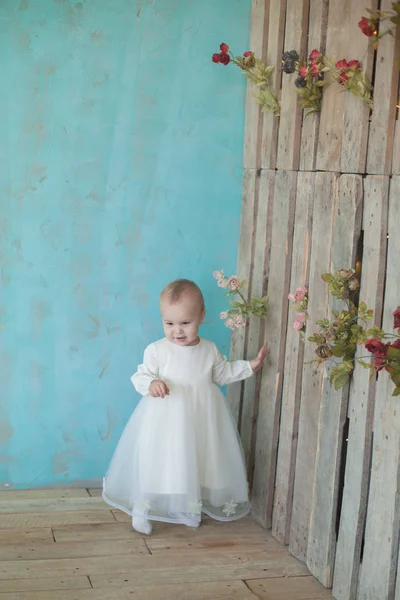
{"x":256,"y":363}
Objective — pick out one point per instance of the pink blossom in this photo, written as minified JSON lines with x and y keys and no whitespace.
{"x":223,"y":283}
{"x":300,"y":293}
{"x":301,"y":317}
{"x":315,"y":56}
{"x":292,"y":297}
{"x":303,"y":71}
{"x":218,"y":275}
{"x":233,"y":282}
{"x":230,"y":323}
{"x":297,"y":325}
{"x":223,"y":315}
{"x":240,"y":321}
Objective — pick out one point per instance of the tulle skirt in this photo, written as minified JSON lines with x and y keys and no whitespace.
{"x":178,"y":457}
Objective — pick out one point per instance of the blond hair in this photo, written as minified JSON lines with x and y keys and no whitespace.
{"x":176,"y":289}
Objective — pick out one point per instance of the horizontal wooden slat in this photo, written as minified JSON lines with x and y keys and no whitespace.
{"x":37,"y":494}
{"x":51,"y":584}
{"x":289,"y":588}
{"x":54,"y":519}
{"x":46,"y":505}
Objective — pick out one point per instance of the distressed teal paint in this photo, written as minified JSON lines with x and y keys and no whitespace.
{"x":121,"y":170}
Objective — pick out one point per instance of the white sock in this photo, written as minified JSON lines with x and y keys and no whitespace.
{"x":195,"y":523}
{"x":142,"y":524}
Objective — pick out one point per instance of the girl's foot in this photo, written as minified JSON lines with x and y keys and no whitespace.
{"x":194,"y":523}
{"x":142,"y":525}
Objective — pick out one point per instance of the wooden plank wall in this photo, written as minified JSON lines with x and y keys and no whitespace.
{"x":322,"y":194}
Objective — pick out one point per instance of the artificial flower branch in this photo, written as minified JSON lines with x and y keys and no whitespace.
{"x":240,"y":312}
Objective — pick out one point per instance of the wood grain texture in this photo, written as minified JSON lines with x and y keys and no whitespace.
{"x":347,"y":222}
{"x":379,"y":566}
{"x":382,"y":128}
{"x":325,"y":201}
{"x":272,"y":378}
{"x":261,"y":250}
{"x":362,"y":396}
{"x":297,"y":12}
{"x":294,"y":351}
{"x":301,"y":588}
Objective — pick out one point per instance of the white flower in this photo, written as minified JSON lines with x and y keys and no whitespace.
{"x":230,"y":508}
{"x":218,"y":275}
{"x":195,"y":508}
{"x":240,"y":321}
{"x":223,"y":315}
{"x":223,"y":283}
{"x":230,"y":323}
{"x":233,"y":282}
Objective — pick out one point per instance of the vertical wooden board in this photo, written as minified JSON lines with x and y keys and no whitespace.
{"x":396,"y":143}
{"x":316,"y":39}
{"x":293,"y":363}
{"x":258,"y":288}
{"x":291,"y":114}
{"x":382,"y":128}
{"x":325,"y":200}
{"x":244,"y":266}
{"x":356,"y":114}
{"x":253,"y":118}
{"x":342,"y":34}
{"x":333,"y":411}
{"x":276,"y":322}
{"x":379,"y":566}
{"x":275,"y":40}
{"x":362,"y":394}
{"x":397,"y":594}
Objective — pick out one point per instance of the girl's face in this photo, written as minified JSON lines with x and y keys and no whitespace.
{"x":182,"y":319}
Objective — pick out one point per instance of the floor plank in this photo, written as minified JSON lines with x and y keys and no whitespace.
{"x":289,"y":588}
{"x":46,"y":584}
{"x":197,"y":591}
{"x":95,"y":492}
{"x":36,"y":494}
{"x":25,"y":536}
{"x":54,"y":519}
{"x":54,"y":550}
{"x":26,"y":505}
{"x":220,"y":541}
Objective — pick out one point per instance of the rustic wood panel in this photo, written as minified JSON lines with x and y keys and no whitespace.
{"x":355,"y":125}
{"x":325,"y":201}
{"x":256,"y":327}
{"x":379,"y":566}
{"x":382,"y":128}
{"x":344,"y":121}
{"x":253,"y":118}
{"x":275,"y":41}
{"x":297,"y":12}
{"x":333,"y":411}
{"x":362,"y":396}
{"x":41,"y":585}
{"x":272,"y":378}
{"x":396,"y":142}
{"x":293,"y":363}
{"x":244,"y":270}
{"x":316,"y":39}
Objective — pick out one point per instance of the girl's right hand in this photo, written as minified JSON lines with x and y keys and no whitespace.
{"x":158,"y":389}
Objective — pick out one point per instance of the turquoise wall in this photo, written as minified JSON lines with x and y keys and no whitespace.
{"x":120,"y":170}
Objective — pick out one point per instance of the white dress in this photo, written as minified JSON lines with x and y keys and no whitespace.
{"x":181,"y":455}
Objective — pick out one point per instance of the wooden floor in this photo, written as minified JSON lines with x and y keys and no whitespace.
{"x":68,"y":545}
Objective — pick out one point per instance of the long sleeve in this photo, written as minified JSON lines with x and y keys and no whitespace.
{"x":225,"y":372}
{"x":147,"y":372}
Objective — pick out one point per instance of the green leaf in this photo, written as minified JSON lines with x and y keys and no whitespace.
{"x":396,"y":391}
{"x":340,"y":380}
{"x":338,"y":351}
{"x":396,"y":21}
{"x":327,"y":277}
{"x":395,"y":377}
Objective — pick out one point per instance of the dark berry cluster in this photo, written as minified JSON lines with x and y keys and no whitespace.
{"x":289,"y":60}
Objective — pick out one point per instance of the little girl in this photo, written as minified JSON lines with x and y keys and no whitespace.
{"x":180,"y":454}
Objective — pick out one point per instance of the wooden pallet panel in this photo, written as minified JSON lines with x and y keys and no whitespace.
{"x":253,"y":115}
{"x":382,"y":128}
{"x":293,"y":363}
{"x":196,"y":591}
{"x":244,"y":268}
{"x":271,"y":383}
{"x":396,"y":142}
{"x":379,"y":566}
{"x":289,"y":588}
{"x":333,"y":410}
{"x":317,"y":30}
{"x":355,"y":127}
{"x":256,"y":326}
{"x":341,"y":140}
{"x":362,"y":396}
{"x":325,"y":201}
{"x":297,"y":12}
{"x":275,"y":42}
